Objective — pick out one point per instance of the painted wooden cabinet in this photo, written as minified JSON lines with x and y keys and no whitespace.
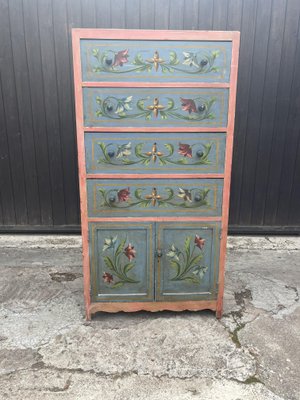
{"x":155,"y":122}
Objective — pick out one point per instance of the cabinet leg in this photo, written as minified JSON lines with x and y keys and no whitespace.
{"x":219,"y":313}
{"x":88,"y":315}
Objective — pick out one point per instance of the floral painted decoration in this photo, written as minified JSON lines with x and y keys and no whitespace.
{"x":188,"y":266}
{"x":121,"y":58}
{"x":107,"y":277}
{"x":188,"y":105}
{"x":197,"y":62}
{"x":199,"y":242}
{"x":123,"y":194}
{"x":120,"y":156}
{"x":112,"y":107}
{"x":129,"y":252}
{"x":185,"y":150}
{"x":185,"y":194}
{"x":117,"y":263}
{"x":191,"y":198}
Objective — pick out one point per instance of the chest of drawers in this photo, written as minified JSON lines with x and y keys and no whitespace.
{"x":155,"y":122}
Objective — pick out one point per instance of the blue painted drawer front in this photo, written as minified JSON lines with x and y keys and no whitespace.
{"x":121,"y":259}
{"x":155,"y":107}
{"x":155,"y":153}
{"x":155,"y":61}
{"x":154,"y":197}
{"x":188,"y":267}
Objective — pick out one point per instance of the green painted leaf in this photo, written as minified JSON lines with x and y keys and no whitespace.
{"x":215,"y":53}
{"x":170,"y":149}
{"x":121,"y":246}
{"x":187,"y":246}
{"x":138,"y":149}
{"x":175,"y":264}
{"x":138,"y":60}
{"x":204,"y":193}
{"x":117,"y":285}
{"x":138,"y":193}
{"x":128,"y":267}
{"x":102,"y":191}
{"x":210,"y":102}
{"x":108,"y":262}
{"x":171,"y":103}
{"x":195,"y":260}
{"x":173,"y":58}
{"x":170,"y":192}
{"x":191,"y":279}
{"x":141,"y":104}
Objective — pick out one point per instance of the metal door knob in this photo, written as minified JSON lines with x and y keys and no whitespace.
{"x":159,"y":253}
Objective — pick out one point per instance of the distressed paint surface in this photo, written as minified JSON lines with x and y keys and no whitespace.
{"x":154,"y":197}
{"x":134,"y":282}
{"x":138,"y":61}
{"x":115,"y":154}
{"x":153,"y":107}
{"x":188,"y":267}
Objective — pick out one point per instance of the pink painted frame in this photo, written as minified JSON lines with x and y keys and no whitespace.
{"x":133,"y":34}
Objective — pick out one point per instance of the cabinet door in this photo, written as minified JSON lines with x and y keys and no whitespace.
{"x":187,"y":262}
{"x":121,"y":259}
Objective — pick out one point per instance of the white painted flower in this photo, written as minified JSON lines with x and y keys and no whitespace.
{"x":173,"y":252}
{"x":124,"y":150}
{"x":109,"y":242}
{"x":190,"y":59}
{"x":120,"y":108}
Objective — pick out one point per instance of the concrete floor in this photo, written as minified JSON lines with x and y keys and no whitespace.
{"x":48,"y":351}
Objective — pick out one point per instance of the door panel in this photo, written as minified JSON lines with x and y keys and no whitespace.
{"x":142,"y":153}
{"x":188,"y":266}
{"x":121,"y":259}
{"x":155,"y":107}
{"x":155,"y":61}
{"x":154,"y":197}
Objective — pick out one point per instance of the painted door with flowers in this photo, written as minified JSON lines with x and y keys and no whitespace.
{"x":187,"y":261}
{"x":122,"y":261}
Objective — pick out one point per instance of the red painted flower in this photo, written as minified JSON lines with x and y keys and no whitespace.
{"x":121,"y":58}
{"x":185,"y":150}
{"x":188,"y":105}
{"x":123,"y":194}
{"x":107,"y":277}
{"x":199,"y":242}
{"x":129,"y":252}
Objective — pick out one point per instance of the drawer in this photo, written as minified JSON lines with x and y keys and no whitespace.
{"x":188,"y":264}
{"x":163,"y":153}
{"x":155,"y":61}
{"x":155,"y":107}
{"x":122,"y":260}
{"x":154,"y":197}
